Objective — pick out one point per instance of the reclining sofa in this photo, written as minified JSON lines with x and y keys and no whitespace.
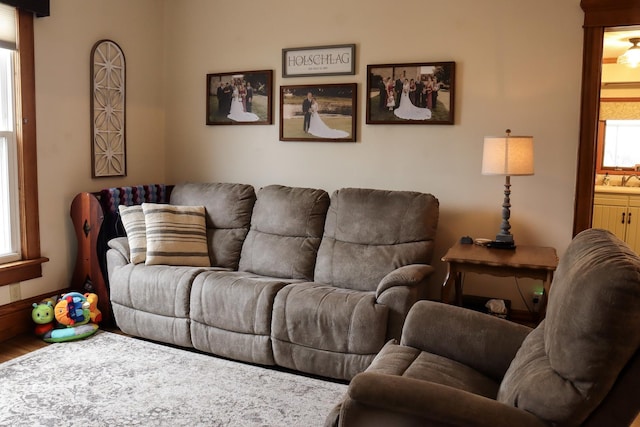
{"x":288,"y":276}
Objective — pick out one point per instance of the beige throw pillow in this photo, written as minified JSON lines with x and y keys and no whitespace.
{"x":134,"y":225}
{"x":176,"y":235}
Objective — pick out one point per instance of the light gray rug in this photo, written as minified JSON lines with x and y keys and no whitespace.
{"x":114,"y":380}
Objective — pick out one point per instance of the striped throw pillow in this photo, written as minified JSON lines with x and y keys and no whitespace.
{"x":176,"y":235}
{"x":134,"y":225}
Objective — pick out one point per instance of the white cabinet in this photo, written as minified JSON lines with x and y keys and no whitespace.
{"x":620,"y":214}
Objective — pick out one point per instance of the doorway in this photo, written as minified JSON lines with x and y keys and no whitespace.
{"x":600,"y":16}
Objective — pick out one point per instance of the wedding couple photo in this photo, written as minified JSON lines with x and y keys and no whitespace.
{"x":239,"y":98}
{"x":418,"y":93}
{"x":318,"y":113}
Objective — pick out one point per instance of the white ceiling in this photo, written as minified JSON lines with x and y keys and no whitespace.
{"x":617,"y":42}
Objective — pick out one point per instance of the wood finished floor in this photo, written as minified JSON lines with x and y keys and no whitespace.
{"x":27,"y":343}
{"x":18,"y":346}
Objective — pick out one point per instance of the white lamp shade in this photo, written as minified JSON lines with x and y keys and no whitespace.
{"x":507,"y":155}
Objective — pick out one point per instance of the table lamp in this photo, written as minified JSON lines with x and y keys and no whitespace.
{"x":509,"y":156}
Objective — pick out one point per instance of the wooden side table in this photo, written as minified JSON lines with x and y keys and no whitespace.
{"x":535,"y":262}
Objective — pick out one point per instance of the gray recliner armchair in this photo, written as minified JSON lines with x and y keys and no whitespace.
{"x":456,"y":367}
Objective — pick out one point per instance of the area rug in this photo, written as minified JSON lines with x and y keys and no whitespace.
{"x":114,"y":380}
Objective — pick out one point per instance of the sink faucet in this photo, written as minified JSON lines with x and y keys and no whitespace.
{"x":626,"y":179}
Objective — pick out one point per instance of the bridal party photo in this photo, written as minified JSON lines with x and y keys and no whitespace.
{"x":318,"y":113}
{"x":417,"y":93}
{"x":239,"y":98}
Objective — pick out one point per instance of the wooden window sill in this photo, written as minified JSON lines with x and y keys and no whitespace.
{"x":19,"y":271}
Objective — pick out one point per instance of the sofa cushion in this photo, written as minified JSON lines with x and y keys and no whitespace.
{"x":134,"y":225}
{"x":410,"y":362}
{"x":152,"y":301}
{"x":176,"y":235}
{"x":588,"y":336}
{"x":231,"y":315}
{"x":286,"y":229}
{"x":228,"y":214}
{"x":369,"y":233}
{"x":329,"y":318}
{"x":327,"y":331}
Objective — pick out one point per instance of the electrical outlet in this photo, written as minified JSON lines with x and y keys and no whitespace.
{"x":536,"y":298}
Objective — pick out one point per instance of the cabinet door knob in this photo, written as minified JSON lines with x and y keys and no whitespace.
{"x":629,"y":218}
{"x":623,"y":214}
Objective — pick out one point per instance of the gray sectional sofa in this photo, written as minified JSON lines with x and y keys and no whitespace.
{"x":296,"y":279}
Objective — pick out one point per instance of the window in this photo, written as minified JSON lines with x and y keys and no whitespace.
{"x":621,"y":144}
{"x":20,"y":145}
{"x":9,"y":209}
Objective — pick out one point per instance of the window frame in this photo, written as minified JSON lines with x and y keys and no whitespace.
{"x":30,"y":265}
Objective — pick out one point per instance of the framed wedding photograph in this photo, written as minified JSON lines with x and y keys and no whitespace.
{"x":318,"y":112}
{"x":240,"y":98}
{"x":420,"y":93}
{"x":332,"y":60}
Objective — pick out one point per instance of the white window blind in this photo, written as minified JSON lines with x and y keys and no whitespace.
{"x":7,"y":27}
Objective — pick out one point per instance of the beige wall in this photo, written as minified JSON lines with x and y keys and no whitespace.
{"x":63,"y":43}
{"x":518,"y":66}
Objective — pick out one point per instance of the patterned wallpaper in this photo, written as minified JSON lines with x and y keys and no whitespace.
{"x":620,"y":111}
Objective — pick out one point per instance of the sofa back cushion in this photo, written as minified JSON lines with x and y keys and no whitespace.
{"x":286,"y":230}
{"x":369,"y":233}
{"x":568,"y":364}
{"x":228,"y":210}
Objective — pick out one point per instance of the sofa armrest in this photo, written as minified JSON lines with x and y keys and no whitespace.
{"x":399,"y":290}
{"x":114,"y":260}
{"x":408,"y":275}
{"x":121,"y":244}
{"x":434,"y":403}
{"x":483,"y":342}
